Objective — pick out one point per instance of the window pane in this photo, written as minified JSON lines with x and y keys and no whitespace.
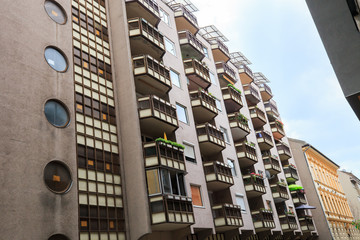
{"x":232,"y":164}
{"x":189,"y":153}
{"x":213,"y":79}
{"x":175,"y":78}
{"x":152,"y":177}
{"x":196,"y":196}
{"x":174,"y":184}
{"x":55,"y":59}
{"x":218,"y":105}
{"x":56,"y":113}
{"x":226,"y":136}
{"x":240,"y":202}
{"x":55,"y":12}
{"x":181,"y":184}
{"x":166,"y":181}
{"x":164,"y":16}
{"x":181,"y":113}
{"x":206,"y":52}
{"x":170,"y":47}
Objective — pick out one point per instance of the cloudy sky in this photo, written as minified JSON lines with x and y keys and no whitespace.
{"x":280,"y":39}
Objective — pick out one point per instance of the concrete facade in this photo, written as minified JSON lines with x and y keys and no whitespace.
{"x":350,"y":184}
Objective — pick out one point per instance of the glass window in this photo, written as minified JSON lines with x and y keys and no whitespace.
{"x":218,"y":104}
{"x":240,"y":201}
{"x":212,"y":78}
{"x":55,"y":59}
{"x":164,"y":16}
{"x":225,"y":132}
{"x":268,"y":204}
{"x":170,"y":46}
{"x":55,"y":12}
{"x":196,"y":196}
{"x":57,"y":177}
{"x":206,"y":52}
{"x":232,"y":165}
{"x":166,"y":181}
{"x":189,"y":153}
{"x":181,"y":113}
{"x":58,"y":237}
{"x":152,"y":177}
{"x":175,"y":78}
{"x":56,"y":113}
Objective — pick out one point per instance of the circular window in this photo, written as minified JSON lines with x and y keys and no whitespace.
{"x":58,"y":237}
{"x":55,"y":12}
{"x":56,"y":113}
{"x":57,"y":178}
{"x":56,"y":59}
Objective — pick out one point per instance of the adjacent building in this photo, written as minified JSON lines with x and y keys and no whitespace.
{"x":351,"y":186}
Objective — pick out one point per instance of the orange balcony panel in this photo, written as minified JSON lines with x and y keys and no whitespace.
{"x":277,"y":129}
{"x":220,"y":51}
{"x":246,"y":75}
{"x":265,"y":92}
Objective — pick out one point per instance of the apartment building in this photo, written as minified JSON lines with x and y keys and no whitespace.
{"x":139,"y":124}
{"x":351,"y":186}
{"x":321,"y":180}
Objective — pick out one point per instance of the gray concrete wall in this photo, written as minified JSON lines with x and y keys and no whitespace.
{"x":352,"y":193}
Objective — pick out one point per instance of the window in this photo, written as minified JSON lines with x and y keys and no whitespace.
{"x":240,"y":201}
{"x":212,"y":78}
{"x":173,"y":183}
{"x":55,"y":59}
{"x":153,"y":183}
{"x":196,"y":196}
{"x":55,"y":12}
{"x":57,"y":177}
{"x":189,"y":153}
{"x":181,"y":113}
{"x":175,"y":78}
{"x":232,"y":165}
{"x":268,"y":204}
{"x":58,"y":237}
{"x":206,"y":52}
{"x":164,"y":16}
{"x":56,"y":113}
{"x":170,"y":46}
{"x":218,"y":104}
{"x":225,"y":132}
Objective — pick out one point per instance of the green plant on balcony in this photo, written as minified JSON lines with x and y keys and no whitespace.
{"x":356,"y":224}
{"x":235,"y":88}
{"x":175,"y":144}
{"x":256,"y":175}
{"x":281,"y":183}
{"x":250,"y":144}
{"x":242,"y":119}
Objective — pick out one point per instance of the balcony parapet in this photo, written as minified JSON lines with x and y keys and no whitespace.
{"x":271,"y":107}
{"x":246,"y":74}
{"x":298,"y":197}
{"x":263,"y":220}
{"x":218,"y":175}
{"x":211,"y":139}
{"x":197,"y":73}
{"x":265,"y":91}
{"x":227,"y":217}
{"x":220,"y":50}
{"x":257,"y":116}
{"x":225,"y":72}
{"x":147,"y":9}
{"x":232,"y":98}
{"x":277,"y":129}
{"x":291,"y":173}
{"x":239,"y":126}
{"x":191,"y":47}
{"x":288,"y":222}
{"x":203,"y":105}
{"x":246,"y":153}
{"x":284,"y":151}
{"x":185,"y":20}
{"x":254,"y":185}
{"x":279,"y":192}
{"x":264,"y":140}
{"x":251,"y":94}
{"x":272,"y":164}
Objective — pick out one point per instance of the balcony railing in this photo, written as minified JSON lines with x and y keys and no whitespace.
{"x":162,"y":154}
{"x":265,"y":92}
{"x":191,"y":47}
{"x":169,"y":212}
{"x":288,"y":222}
{"x":239,"y":126}
{"x":272,"y":164}
{"x":145,"y":39}
{"x":257,"y":116}
{"x":246,"y":75}
{"x":264,"y":140}
{"x":220,"y":51}
{"x":157,"y":116}
{"x":271,"y":108}
{"x":197,"y":73}
{"x":203,"y":105}
{"x":284,"y":151}
{"x":277,"y":129}
{"x":254,"y":185}
{"x":306,"y":223}
{"x":185,"y":20}
{"x":232,"y":99}
{"x":218,"y":175}
{"x":211,"y":139}
{"x":227,"y":217}
{"x":291,"y":174}
{"x":246,"y":154}
{"x":251,"y":94}
{"x":263,"y":220}
{"x":225,"y":72}
{"x":279,"y":192}
{"x":151,"y":77}
{"x":147,"y":9}
{"x":298,"y":197}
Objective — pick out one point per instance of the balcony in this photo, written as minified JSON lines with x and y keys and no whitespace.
{"x":225,"y":72}
{"x":291,"y":173}
{"x":265,"y":92}
{"x":156,"y":116}
{"x":159,"y":153}
{"x":145,"y":39}
{"x":232,"y":98}
{"x":306,"y":223}
{"x":203,"y":105}
{"x":218,"y":176}
{"x":190,"y":46}
{"x":272,"y":164}
{"x":151,"y":77}
{"x":279,"y":192}
{"x":271,"y":108}
{"x":254,"y":185}
{"x":251,"y":94}
{"x":184,"y":19}
{"x":246,"y":154}
{"x":257,"y":117}
{"x":264,"y":140}
{"x":288,"y":222}
{"x":263,"y":220}
{"x":211,"y":139}
{"x":170,"y":212}
{"x":147,"y":9}
{"x":220,"y":51}
{"x":239,"y":126}
{"x":246,"y":75}
{"x":277,"y":129}
{"x":284,"y":151}
{"x":197,"y":73}
{"x":298,"y":197}
{"x":227,"y":217}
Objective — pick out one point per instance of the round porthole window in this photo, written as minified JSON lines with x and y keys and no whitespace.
{"x":55,"y":12}
{"x":56,"y":59}
{"x":57,"y":177}
{"x":58,"y":237}
{"x":56,"y":113}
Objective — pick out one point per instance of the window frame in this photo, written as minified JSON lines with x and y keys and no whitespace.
{"x":241,"y":196}
{"x":200,"y":194}
{"x":213,"y":78}
{"x":218,"y":105}
{"x":162,"y":13}
{"x":178,"y":75}
{"x":173,"y":50}
{"x":193,"y":147}
{"x":233,"y":167}
{"x":226,"y":134}
{"x":185,"y":111}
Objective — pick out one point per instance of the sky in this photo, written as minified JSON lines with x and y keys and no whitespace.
{"x":280,"y":38}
